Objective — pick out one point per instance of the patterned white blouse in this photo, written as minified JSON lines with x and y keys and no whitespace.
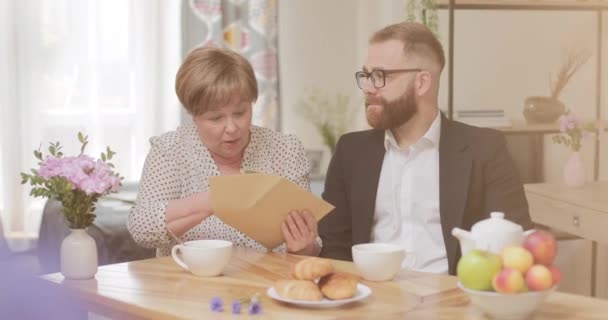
{"x":179,"y":165}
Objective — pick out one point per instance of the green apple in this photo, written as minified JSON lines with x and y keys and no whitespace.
{"x":477,"y":268}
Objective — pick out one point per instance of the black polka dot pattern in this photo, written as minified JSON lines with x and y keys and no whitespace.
{"x":179,"y":165}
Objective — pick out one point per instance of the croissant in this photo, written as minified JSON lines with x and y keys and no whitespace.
{"x":298,"y":290}
{"x":312,"y":268}
{"x":338,"y":286}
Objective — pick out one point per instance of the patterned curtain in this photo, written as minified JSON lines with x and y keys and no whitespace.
{"x":250,"y":28}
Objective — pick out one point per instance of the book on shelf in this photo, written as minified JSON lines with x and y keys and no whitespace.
{"x":484,"y":118}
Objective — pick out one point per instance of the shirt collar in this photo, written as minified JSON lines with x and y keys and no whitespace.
{"x":432,"y":135}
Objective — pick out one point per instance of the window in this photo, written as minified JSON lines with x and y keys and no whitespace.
{"x":100,"y":67}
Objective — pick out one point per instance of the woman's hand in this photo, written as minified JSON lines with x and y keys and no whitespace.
{"x":300,"y":232}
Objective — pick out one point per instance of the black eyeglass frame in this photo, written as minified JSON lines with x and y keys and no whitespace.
{"x":368,"y":75}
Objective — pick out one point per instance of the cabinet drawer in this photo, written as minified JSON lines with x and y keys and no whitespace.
{"x":585,"y":223}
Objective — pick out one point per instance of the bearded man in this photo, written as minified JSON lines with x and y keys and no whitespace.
{"x":416,"y":174}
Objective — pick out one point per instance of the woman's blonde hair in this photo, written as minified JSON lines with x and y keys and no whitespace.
{"x":212,"y":77}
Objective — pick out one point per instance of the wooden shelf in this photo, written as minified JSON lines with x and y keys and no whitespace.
{"x":583,"y":5}
{"x":523,"y":127}
{"x":531,"y":128}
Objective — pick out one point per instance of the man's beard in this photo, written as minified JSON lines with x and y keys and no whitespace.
{"x":394,"y":113}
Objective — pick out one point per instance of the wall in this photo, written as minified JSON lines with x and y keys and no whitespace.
{"x":315,"y":51}
{"x":501,"y":57}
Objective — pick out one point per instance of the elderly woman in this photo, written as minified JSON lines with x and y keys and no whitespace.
{"x":217,"y":87}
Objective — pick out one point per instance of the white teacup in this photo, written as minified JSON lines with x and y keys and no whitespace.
{"x":378,"y":261}
{"x":206,"y":258}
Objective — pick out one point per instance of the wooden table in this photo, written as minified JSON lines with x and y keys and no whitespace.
{"x":579,"y":211}
{"x":158,"y":288}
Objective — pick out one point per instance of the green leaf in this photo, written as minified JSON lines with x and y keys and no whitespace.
{"x":103,"y":157}
{"x":80,"y":137}
{"x":24,"y":178}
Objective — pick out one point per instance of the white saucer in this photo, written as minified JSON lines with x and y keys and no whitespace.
{"x":363,"y":292}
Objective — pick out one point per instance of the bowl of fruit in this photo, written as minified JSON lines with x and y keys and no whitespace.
{"x":514,"y":283}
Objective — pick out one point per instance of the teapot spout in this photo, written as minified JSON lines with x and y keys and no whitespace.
{"x":462,"y":234}
{"x":467,"y":242}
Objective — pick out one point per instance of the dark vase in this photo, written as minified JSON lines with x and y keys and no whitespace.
{"x":543,"y":109}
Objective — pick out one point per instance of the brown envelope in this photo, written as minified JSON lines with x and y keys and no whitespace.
{"x":256,"y":204}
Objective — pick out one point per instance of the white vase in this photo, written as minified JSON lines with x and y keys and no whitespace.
{"x":574,"y":170}
{"x":78,"y":255}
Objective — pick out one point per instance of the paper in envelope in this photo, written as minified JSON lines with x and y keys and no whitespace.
{"x":256,"y":204}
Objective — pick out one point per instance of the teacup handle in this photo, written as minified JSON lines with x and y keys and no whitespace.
{"x":176,"y":258}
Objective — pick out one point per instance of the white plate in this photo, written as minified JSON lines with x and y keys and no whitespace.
{"x":363,"y":292}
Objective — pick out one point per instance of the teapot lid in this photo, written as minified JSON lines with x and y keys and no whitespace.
{"x":496,"y":224}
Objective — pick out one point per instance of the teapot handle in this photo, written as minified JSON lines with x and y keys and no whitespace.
{"x":528,"y":232}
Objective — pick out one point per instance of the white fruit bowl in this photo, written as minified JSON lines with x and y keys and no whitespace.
{"x":501,"y":306}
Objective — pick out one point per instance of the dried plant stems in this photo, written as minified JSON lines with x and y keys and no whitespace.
{"x":574,"y":60}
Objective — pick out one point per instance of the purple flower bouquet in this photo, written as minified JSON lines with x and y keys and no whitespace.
{"x":573,"y":132}
{"x":76,"y":181}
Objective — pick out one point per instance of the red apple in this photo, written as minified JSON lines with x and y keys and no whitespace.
{"x":509,"y":280}
{"x":542,"y":245}
{"x":555,"y":274}
{"x":539,"y":278}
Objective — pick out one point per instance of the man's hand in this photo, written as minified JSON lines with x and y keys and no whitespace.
{"x":300,"y":232}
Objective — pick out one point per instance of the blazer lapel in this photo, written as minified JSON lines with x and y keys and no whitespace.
{"x":455,"y":163}
{"x":365,"y":186}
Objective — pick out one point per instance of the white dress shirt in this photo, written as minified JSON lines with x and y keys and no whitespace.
{"x":407,"y":203}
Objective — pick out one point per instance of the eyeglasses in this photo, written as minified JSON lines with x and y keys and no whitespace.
{"x":378,"y":76}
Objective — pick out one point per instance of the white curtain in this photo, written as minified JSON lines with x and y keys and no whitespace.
{"x":103,"y":67}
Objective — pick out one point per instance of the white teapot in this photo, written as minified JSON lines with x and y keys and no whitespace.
{"x":492,"y":234}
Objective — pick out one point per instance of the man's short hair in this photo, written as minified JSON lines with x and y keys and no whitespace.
{"x":417,"y":39}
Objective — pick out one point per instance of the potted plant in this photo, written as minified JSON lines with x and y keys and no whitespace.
{"x":330,"y":114}
{"x":77,"y":182}
{"x":425,"y":12}
{"x":541,"y":109}
{"x":572,"y":134}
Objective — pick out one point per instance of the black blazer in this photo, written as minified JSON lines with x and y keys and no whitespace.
{"x":476,"y":176}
